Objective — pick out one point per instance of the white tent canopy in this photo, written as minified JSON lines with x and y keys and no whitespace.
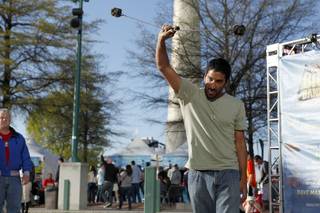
{"x":137,"y":147}
{"x":180,"y":151}
{"x":178,"y":156}
{"x":50,"y":161}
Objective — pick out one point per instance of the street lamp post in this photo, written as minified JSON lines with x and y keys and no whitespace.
{"x":77,"y":23}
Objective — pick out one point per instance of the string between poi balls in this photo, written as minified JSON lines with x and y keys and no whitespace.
{"x":237,"y":30}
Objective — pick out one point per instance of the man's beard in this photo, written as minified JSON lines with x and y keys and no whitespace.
{"x":217,"y":95}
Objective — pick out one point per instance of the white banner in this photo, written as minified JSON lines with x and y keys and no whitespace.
{"x":300,"y":131}
{"x":300,"y":97}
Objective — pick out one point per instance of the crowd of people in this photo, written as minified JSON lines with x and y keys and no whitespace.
{"x":117,"y":185}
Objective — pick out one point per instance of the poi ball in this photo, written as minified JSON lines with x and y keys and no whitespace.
{"x":116,"y":12}
{"x":75,"y":23}
{"x":238,"y":30}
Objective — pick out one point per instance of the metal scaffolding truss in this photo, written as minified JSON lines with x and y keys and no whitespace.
{"x":274,"y":52}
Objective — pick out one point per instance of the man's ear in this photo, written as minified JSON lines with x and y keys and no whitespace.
{"x":204,"y":77}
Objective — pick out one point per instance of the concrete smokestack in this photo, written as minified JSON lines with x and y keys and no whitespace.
{"x":186,"y":61}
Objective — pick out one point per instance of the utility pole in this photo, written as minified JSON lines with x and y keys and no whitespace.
{"x":77,"y":23}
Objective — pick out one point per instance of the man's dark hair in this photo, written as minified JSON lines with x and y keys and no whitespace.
{"x":61,"y":159}
{"x":101,"y":164}
{"x":148,"y":164}
{"x":133,"y":163}
{"x":219,"y":65}
{"x":257,"y":157}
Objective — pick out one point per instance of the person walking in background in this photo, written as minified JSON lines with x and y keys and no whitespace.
{"x":141,"y":184}
{"x":100,"y":183}
{"x":33,"y":202}
{"x":167,"y":183}
{"x":14,"y":155}
{"x":60,"y":160}
{"x":26,"y":190}
{"x":125,"y":181}
{"x":136,"y":173}
{"x":264,"y":178}
{"x":175,"y":178}
{"x":161,"y":173}
{"x":168,"y":169}
{"x":109,"y":177}
{"x":251,"y":185}
{"x":175,"y":175}
{"x":92,"y":184}
{"x":215,"y":123}
{"x":116,"y":188}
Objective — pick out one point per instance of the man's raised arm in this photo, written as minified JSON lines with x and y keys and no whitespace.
{"x":162,"y":59}
{"x":102,"y":158}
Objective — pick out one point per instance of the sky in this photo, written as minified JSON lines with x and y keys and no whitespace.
{"x":116,"y":35}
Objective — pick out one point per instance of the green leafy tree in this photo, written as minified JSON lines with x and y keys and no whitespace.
{"x":267,"y":22}
{"x":50,"y":121}
{"x":35,"y":42}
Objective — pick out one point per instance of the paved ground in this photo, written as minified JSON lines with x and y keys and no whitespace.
{"x":98,"y":207}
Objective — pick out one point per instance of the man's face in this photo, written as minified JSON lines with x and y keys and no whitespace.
{"x":258,"y":161}
{"x":215,"y":82}
{"x":4,"y":120}
{"x":49,"y":176}
{"x":102,"y":167}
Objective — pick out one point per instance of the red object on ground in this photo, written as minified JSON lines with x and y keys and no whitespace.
{"x":258,"y":199}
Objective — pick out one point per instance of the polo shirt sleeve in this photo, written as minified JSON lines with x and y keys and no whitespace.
{"x":187,"y":91}
{"x":240,"y":122}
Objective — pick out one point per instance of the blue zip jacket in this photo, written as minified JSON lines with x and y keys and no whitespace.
{"x":19,"y":154}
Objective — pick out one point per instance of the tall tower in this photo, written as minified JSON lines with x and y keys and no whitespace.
{"x":185,"y":49}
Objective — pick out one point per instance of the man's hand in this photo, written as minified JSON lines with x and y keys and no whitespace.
{"x":166,"y":32}
{"x":101,"y":153}
{"x":25,"y":179}
{"x":243,"y":189}
{"x":162,"y":59}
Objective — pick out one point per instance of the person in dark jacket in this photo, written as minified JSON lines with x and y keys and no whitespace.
{"x":109,"y":176}
{"x":14,"y":155}
{"x":60,"y":160}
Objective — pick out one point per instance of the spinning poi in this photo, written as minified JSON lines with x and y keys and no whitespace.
{"x":237,"y":30}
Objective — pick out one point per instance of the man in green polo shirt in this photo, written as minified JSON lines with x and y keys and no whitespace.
{"x":215,"y":124}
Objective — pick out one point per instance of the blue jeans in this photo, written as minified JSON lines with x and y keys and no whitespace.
{"x":107,"y":186}
{"x":214,"y":191}
{"x":11,"y":191}
{"x":91,"y":192}
{"x":99,"y":194}
{"x":135,"y":192}
{"x":125,"y":191}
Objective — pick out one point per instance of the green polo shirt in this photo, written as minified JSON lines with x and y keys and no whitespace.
{"x":211,"y":142}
